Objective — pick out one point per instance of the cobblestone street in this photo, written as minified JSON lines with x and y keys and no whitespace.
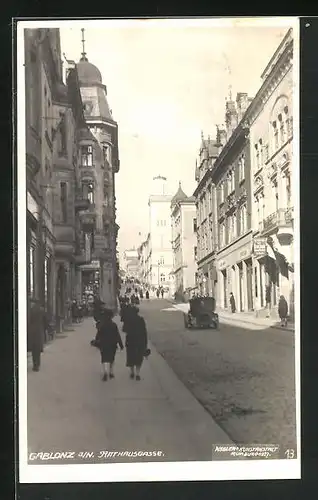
{"x":244,"y":377}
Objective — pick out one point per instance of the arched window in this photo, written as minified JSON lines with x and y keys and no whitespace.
{"x":281,"y":122}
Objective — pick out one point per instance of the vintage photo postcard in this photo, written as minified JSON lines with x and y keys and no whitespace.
{"x":158,"y":249}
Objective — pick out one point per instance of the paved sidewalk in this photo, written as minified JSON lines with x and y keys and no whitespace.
{"x":241,"y":317}
{"x":71,"y":409}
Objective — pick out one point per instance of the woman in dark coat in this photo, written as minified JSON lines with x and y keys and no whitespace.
{"x":36,"y":329}
{"x":283,"y":310}
{"x":147,"y":294}
{"x":136,"y":342}
{"x":232,"y":303}
{"x":107,"y":339}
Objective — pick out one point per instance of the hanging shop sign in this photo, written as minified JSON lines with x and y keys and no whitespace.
{"x":260,"y":247}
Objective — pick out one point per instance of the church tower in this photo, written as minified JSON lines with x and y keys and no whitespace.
{"x":104,"y":166}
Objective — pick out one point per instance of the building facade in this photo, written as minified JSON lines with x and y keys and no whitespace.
{"x":271,"y":129}
{"x":206,"y":221}
{"x":231,"y":178}
{"x":98,"y":166}
{"x":184,"y":245}
{"x":54,"y":118}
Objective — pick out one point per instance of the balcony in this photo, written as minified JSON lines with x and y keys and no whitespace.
{"x":82,"y":258}
{"x":88,"y":219}
{"x":81,"y":203}
{"x":282,"y":220}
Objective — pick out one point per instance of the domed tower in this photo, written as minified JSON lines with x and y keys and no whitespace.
{"x":101,"y":161}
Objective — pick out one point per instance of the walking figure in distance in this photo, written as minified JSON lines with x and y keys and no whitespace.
{"x":107,"y":339}
{"x":136,"y":342}
{"x":232,"y":302}
{"x":162,"y":293}
{"x":283,"y":310}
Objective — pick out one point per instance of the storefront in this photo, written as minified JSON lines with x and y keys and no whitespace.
{"x":272,"y":270}
{"x":235,"y":275}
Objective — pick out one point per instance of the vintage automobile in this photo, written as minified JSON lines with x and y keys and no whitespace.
{"x":201,"y":313}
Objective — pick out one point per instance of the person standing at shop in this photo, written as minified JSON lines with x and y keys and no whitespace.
{"x":232,"y":303}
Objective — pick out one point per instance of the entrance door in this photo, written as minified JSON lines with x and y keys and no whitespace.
{"x":249,"y":284}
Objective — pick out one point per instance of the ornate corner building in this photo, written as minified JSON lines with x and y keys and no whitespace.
{"x":71,"y":160}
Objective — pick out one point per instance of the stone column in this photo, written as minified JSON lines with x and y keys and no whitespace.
{"x":245,"y":301}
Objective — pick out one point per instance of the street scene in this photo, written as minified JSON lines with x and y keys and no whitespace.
{"x":161,"y":261}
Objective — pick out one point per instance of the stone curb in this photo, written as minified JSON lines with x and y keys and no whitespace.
{"x":185,"y":404}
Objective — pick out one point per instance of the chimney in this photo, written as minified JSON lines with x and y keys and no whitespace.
{"x":231,"y":118}
{"x":242,"y":102}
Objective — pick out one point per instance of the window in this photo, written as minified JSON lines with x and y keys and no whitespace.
{"x":282,"y":134}
{"x":107,"y":153}
{"x":242,"y":168}
{"x":275,"y":133}
{"x":88,"y":191}
{"x":161,"y":260}
{"x":222,"y":234}
{"x":261,"y":153}
{"x":221,"y":190}
{"x":87,"y":156}
{"x":195,"y":253}
{"x":234,"y":223}
{"x":63,"y":147}
{"x":257,"y":158}
{"x":288,"y":191}
{"x":243,"y":221}
{"x":288,"y":122}
{"x":46,"y":277}
{"x":31,"y":270}
{"x":266,"y":152}
{"x":194,"y":225}
{"x":64,"y":201}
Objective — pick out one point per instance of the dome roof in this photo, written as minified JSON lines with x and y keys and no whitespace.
{"x":179,"y":196}
{"x":87,"y":72}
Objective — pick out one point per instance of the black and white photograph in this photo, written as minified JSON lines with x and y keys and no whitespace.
{"x":158,"y":249}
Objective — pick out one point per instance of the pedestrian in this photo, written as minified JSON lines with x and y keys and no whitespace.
{"x":283,"y":310}
{"x":107,"y":339}
{"x":158,"y":293}
{"x":35,"y":333}
{"x":141,"y":294}
{"x":162,"y":292}
{"x":74,"y":311}
{"x":80,"y":312}
{"x":232,"y":302}
{"x":97,"y":308}
{"x":136,"y":342}
{"x":147,"y":294}
{"x":268,"y":300}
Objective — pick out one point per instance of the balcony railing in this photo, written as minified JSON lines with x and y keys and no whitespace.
{"x":281,"y":218}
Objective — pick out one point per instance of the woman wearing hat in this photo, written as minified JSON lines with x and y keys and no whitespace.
{"x":107,"y":339}
{"x":136,"y":342}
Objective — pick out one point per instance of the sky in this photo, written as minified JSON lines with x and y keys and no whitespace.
{"x":166,"y":82}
